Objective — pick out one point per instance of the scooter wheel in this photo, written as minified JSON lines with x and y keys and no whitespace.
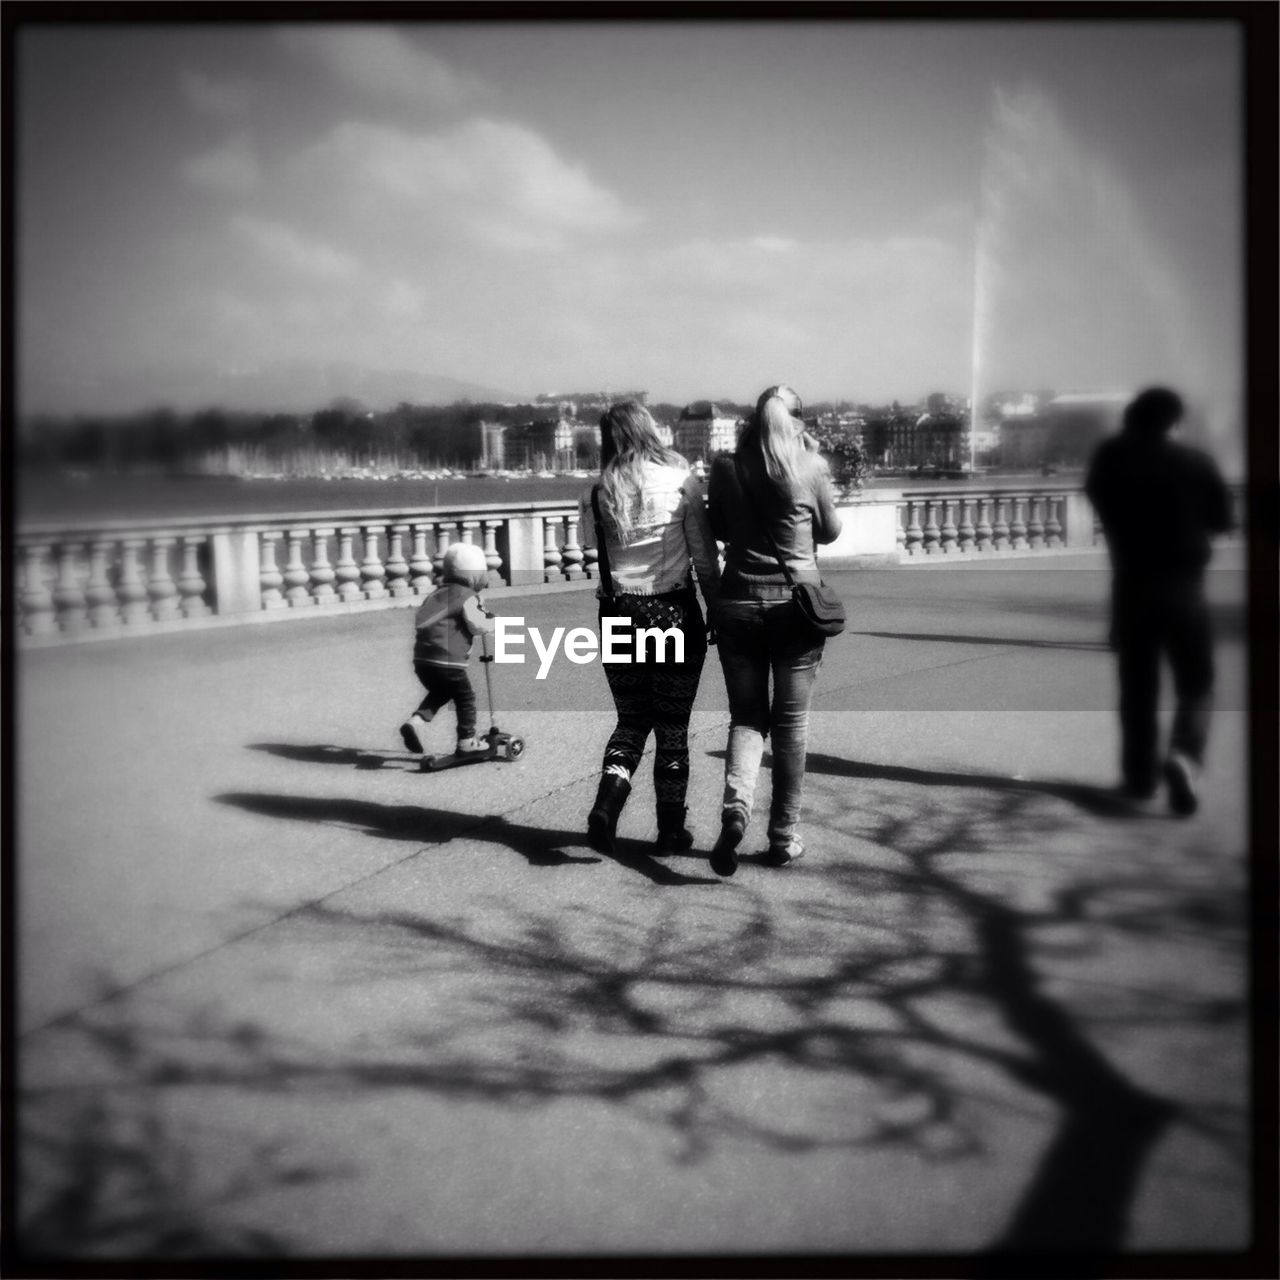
{"x":515,"y":748}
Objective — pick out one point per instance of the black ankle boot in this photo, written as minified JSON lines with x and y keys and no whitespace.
{"x":673,"y":836}
{"x":724,"y":857}
{"x":602,"y":821}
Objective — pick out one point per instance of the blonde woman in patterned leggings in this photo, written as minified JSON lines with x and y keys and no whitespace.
{"x":648,"y":510}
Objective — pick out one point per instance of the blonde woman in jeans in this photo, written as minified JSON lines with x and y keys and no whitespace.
{"x":655,"y":526}
{"x":775,"y":483}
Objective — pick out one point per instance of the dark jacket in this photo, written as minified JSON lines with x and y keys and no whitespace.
{"x":1159,"y":503}
{"x":444,"y":631}
{"x":743,"y":521}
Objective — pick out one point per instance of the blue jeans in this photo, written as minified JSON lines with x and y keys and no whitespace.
{"x":759,"y":638}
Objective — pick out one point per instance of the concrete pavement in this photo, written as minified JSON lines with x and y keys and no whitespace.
{"x":294,"y":996}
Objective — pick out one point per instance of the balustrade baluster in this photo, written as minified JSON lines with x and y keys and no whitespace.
{"x":99,"y":593}
{"x":270,"y":578}
{"x":966,"y":530}
{"x":552,"y":559}
{"x":444,"y":536}
{"x":191,"y":583}
{"x":1000,"y":530}
{"x":420,"y":565}
{"x":397,"y":567}
{"x":371,"y":570}
{"x":132,"y":590}
{"x":914,"y":534}
{"x":1017,"y":526}
{"x":1035,"y":522}
{"x":492,"y":556}
{"x":1053,"y":525}
{"x":161,"y":588}
{"x":346,"y":570}
{"x":932,"y":534}
{"x":295,"y":572}
{"x":948,"y":532}
{"x":68,"y":593}
{"x":37,"y":599}
{"x":572,"y":549}
{"x":983,"y":531}
{"x":900,"y":528}
{"x":323,"y":573}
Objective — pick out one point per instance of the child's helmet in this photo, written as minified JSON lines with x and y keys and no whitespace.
{"x":463,"y":561}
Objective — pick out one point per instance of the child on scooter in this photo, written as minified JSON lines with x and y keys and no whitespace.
{"x":445,"y":623}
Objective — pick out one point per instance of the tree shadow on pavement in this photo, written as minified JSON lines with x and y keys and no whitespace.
{"x":539,"y":846}
{"x":899,"y":993}
{"x":106,"y":1172}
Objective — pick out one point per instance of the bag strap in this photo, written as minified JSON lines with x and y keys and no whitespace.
{"x":602,"y":547}
{"x":768,"y":533}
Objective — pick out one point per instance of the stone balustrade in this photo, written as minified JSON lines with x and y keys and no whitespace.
{"x":948,"y":522}
{"x":120,"y":577}
{"x":75,"y":581}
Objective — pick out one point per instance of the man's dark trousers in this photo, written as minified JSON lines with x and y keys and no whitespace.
{"x":1151,"y":615}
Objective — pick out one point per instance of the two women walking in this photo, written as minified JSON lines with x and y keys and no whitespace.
{"x":771,"y":504}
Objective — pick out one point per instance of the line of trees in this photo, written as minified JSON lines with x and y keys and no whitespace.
{"x":219,"y":441}
{"x":344,"y":435}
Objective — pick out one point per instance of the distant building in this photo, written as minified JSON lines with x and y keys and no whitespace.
{"x":850,"y":422}
{"x":547,"y":444}
{"x":905,"y":438}
{"x":1022,"y":439}
{"x":1058,"y":431}
{"x":703,"y":430}
{"x":493,"y":450}
{"x":939,"y":441}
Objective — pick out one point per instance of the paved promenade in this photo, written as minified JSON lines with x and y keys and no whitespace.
{"x":281,"y":992}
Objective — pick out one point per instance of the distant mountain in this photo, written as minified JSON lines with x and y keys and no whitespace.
{"x":298,"y":386}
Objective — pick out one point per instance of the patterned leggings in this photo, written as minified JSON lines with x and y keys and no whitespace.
{"x":656,"y":697}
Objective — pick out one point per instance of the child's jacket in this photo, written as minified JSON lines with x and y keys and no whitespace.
{"x":446,"y":622}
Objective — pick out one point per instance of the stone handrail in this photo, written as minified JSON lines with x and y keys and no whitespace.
{"x":77,"y":579}
{"x":83,"y":579}
{"x":1024,"y":518}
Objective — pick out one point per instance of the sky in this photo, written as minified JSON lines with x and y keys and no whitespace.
{"x":696,"y":209}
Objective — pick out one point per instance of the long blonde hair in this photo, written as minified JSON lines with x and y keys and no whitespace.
{"x":628,"y":439}
{"x":772,"y":446}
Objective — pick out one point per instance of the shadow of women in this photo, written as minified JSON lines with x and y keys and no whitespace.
{"x":419,"y":824}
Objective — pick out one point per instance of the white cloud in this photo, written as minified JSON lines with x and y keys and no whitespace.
{"x":774,"y":244}
{"x":403,"y":300}
{"x":223,"y":99}
{"x":301,"y":253}
{"x":231,"y":168}
{"x":383,"y":63}
{"x":497,"y":182}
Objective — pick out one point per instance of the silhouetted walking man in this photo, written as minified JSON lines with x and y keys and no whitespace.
{"x":1159,"y":503}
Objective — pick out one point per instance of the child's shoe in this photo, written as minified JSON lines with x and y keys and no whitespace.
{"x":410,"y":732}
{"x":471,"y":746}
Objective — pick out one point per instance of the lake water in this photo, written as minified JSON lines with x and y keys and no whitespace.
{"x":43,"y":497}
